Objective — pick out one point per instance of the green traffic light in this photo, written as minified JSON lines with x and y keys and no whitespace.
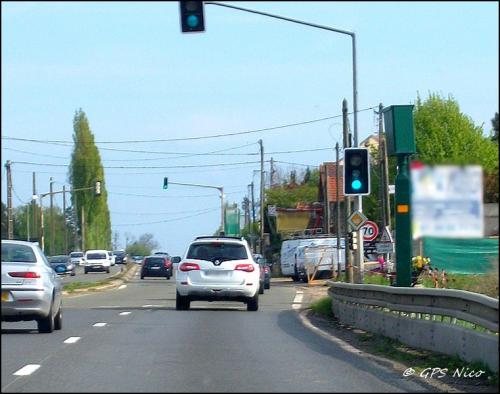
{"x":192,"y":21}
{"x":356,"y":184}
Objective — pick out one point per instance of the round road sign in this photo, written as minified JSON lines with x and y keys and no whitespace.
{"x":369,"y":230}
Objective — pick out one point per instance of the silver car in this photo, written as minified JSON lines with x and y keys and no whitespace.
{"x":31,"y":290}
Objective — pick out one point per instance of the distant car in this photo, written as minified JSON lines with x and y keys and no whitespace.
{"x":96,"y":260}
{"x":217,"y":268}
{"x":138,"y":259}
{"x":62,"y":265}
{"x":120,"y":257}
{"x":161,"y":253}
{"x":157,"y":265}
{"x":31,"y":290}
{"x":111,"y":258}
{"x":76,"y":257}
{"x":265,"y":271}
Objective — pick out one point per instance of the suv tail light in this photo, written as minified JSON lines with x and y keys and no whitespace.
{"x":167,"y":264}
{"x":27,"y":275}
{"x":266,"y":269}
{"x":184,"y":267}
{"x":244,"y":267}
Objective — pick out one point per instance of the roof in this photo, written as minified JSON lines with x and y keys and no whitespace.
{"x":327,"y":172}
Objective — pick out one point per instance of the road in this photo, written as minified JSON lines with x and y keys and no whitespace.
{"x":131,"y":339}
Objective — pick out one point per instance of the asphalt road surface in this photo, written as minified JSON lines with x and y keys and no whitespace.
{"x":131,"y":339}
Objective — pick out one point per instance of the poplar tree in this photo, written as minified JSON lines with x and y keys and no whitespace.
{"x":85,"y":169}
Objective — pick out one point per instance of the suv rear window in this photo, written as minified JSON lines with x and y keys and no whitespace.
{"x":17,"y":253}
{"x":97,"y":256}
{"x":153,"y":260}
{"x":76,"y":254}
{"x":221,"y":251}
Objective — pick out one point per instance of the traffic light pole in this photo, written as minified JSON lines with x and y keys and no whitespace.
{"x":219,"y":188}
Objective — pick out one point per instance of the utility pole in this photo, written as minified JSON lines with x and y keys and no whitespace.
{"x":337,"y":205}
{"x":65,"y":250}
{"x":10,"y":220}
{"x":33,"y":202}
{"x":347,"y":199}
{"x":261,"y":198}
{"x":52,"y":224}
{"x":254,"y":248}
{"x":271,"y":182}
{"x":83,"y":229}
{"x":384,"y":167}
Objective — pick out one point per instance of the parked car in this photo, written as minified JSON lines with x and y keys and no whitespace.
{"x":111,"y":258}
{"x":76,"y":257}
{"x":31,"y":290}
{"x":265,"y":271}
{"x":62,"y":265}
{"x":96,"y":260}
{"x":138,"y":259}
{"x":217,"y":268}
{"x":157,"y":265}
{"x":120,"y":257}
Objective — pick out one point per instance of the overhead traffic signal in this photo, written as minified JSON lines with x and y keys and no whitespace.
{"x":356,"y":172}
{"x":98,"y":188}
{"x":192,"y":16}
{"x":165,"y":183}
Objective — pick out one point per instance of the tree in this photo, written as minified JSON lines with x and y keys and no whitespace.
{"x":142,"y":247}
{"x":444,"y":135}
{"x":494,"y":123}
{"x":85,"y":170}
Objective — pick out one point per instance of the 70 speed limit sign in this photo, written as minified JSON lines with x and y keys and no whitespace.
{"x":369,"y":230}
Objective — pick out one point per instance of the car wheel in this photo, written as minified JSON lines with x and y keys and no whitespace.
{"x":73,"y":273}
{"x":182,"y":303}
{"x":107,"y":270}
{"x":46,"y":325}
{"x":142,"y":276}
{"x":253,"y":303}
{"x":58,"y":319}
{"x":86,"y":271}
{"x":261,"y":288}
{"x":267,"y":285}
{"x":168,"y":276}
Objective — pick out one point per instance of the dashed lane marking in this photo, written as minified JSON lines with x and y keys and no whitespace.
{"x":72,"y":340}
{"x":297,"y":301}
{"x":122,"y":287}
{"x":100,"y":324}
{"x":125,"y":313}
{"x":27,"y":370}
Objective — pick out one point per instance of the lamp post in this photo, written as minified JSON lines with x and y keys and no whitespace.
{"x":358,"y":202}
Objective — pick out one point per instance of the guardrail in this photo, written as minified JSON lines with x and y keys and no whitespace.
{"x":448,"y":321}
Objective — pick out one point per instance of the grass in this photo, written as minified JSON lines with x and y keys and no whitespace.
{"x":323,"y":307}
{"x":371,"y":278}
{"x":71,"y":287}
{"x":484,"y":284}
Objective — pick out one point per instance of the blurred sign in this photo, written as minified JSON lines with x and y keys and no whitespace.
{"x":447,"y":201}
{"x":356,"y":220}
{"x":271,"y":210}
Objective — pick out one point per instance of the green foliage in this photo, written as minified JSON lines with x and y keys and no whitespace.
{"x":291,"y":193}
{"x":323,"y":306}
{"x":444,"y":135}
{"x":4,"y":221}
{"x":494,"y":123}
{"x":142,"y":247}
{"x":85,"y":169}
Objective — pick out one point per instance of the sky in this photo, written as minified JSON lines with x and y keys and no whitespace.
{"x":139,"y":80}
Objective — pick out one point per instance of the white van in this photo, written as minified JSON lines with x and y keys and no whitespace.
{"x":96,"y":260}
{"x":295,"y":253}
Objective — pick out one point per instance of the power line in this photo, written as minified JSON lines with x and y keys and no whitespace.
{"x":169,"y":220}
{"x":195,"y":138}
{"x":140,"y":167}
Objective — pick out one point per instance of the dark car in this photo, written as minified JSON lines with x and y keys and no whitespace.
{"x":265,"y":271}
{"x":120,"y":257}
{"x":156,"y":266}
{"x":63,"y":265}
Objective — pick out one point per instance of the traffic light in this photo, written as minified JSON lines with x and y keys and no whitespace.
{"x":353,"y":240}
{"x":192,"y":16}
{"x":98,"y":188}
{"x":356,"y":172}
{"x":165,"y":183}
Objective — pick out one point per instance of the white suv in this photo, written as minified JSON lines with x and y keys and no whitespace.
{"x":218,"y":269}
{"x":96,"y":260}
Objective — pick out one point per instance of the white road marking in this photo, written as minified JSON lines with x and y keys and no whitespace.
{"x":100,"y":324}
{"x":72,"y":340}
{"x":147,"y":306}
{"x":122,"y":287}
{"x":152,"y":306}
{"x":27,"y":370}
{"x":125,"y":313}
{"x":297,"y":301}
{"x":300,"y":292}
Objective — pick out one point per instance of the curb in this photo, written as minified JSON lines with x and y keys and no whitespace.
{"x":114,"y":283}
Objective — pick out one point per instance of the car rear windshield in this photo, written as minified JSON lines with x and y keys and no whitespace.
{"x":217,"y":251}
{"x":97,"y":256}
{"x":59,"y":259}
{"x":154,"y":260}
{"x":17,"y":253}
{"x":76,"y":254}
{"x":119,"y":254}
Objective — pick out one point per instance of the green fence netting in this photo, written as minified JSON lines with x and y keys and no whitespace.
{"x":462,"y":256}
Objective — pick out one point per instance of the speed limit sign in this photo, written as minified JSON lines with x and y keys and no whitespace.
{"x":369,"y":230}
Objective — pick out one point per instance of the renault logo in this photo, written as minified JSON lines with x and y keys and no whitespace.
{"x":217,"y":262}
